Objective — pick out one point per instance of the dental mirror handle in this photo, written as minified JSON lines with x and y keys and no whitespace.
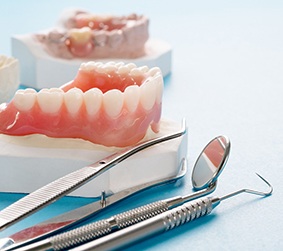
{"x":163,"y":222}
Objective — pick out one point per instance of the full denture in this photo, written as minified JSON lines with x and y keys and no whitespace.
{"x":84,"y":35}
{"x":111,"y":104}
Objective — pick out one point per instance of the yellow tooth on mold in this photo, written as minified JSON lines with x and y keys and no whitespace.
{"x":81,"y":36}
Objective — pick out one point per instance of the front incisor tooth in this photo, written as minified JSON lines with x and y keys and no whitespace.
{"x":93,"y":101}
{"x":73,"y":100}
{"x":50,"y":101}
{"x":113,"y":102}
{"x":132,"y":97}
{"x":148,"y":94}
{"x":24,"y":100}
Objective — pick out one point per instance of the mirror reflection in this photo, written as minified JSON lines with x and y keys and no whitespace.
{"x":210,"y":162}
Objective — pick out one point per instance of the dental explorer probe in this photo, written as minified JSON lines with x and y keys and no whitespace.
{"x":163,"y":222}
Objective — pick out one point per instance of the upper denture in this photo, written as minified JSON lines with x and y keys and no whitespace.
{"x":92,"y":36}
{"x":111,"y":104}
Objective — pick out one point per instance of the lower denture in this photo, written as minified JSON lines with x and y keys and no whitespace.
{"x":125,"y":103}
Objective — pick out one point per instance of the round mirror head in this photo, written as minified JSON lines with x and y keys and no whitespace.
{"x":210,"y":162}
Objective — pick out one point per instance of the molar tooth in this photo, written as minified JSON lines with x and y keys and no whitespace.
{"x":136,"y":72}
{"x":100,"y":69}
{"x":113,"y":102}
{"x":50,"y":101}
{"x":131,"y":66}
{"x":93,"y":100}
{"x":153,"y":71}
{"x":98,"y":64}
{"x":110,"y":63}
{"x":100,"y":38}
{"x":119,"y":64}
{"x":148,"y":94}
{"x":109,"y":68}
{"x":83,"y":66}
{"x":132,"y":97}
{"x":123,"y":70}
{"x":159,"y":88}
{"x":115,"y":38}
{"x":89,"y":66}
{"x":29,"y":91}
{"x":56,"y":90}
{"x":144,"y":69}
{"x":24,"y":99}
{"x":73,"y":100}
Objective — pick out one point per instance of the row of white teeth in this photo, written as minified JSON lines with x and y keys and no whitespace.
{"x":51,"y":100}
{"x":121,"y":68}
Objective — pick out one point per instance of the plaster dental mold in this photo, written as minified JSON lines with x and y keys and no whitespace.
{"x":9,"y":77}
{"x":112,"y":104}
{"x":31,"y":161}
{"x":85,"y":35}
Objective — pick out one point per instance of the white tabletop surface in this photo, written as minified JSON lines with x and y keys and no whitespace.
{"x":227,"y":78}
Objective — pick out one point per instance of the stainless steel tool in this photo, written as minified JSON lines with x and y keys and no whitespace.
{"x":70,"y":182}
{"x":161,"y":223}
{"x":73,"y":217}
{"x":207,"y":168}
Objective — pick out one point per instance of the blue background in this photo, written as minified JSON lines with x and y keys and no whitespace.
{"x":227,"y":79}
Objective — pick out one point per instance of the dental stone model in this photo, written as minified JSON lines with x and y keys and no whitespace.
{"x":79,"y":36}
{"x":9,"y":77}
{"x":111,"y":104}
{"x":84,"y":35}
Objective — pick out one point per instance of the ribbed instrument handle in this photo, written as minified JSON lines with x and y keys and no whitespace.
{"x":158,"y":224}
{"x":44,"y":196}
{"x":97,"y":229}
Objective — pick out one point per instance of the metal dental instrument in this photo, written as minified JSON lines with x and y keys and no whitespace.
{"x":70,"y":182}
{"x":162,"y":222}
{"x":73,"y":217}
{"x":207,"y":168}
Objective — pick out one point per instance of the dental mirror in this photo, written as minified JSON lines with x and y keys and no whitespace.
{"x":210,"y":162}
